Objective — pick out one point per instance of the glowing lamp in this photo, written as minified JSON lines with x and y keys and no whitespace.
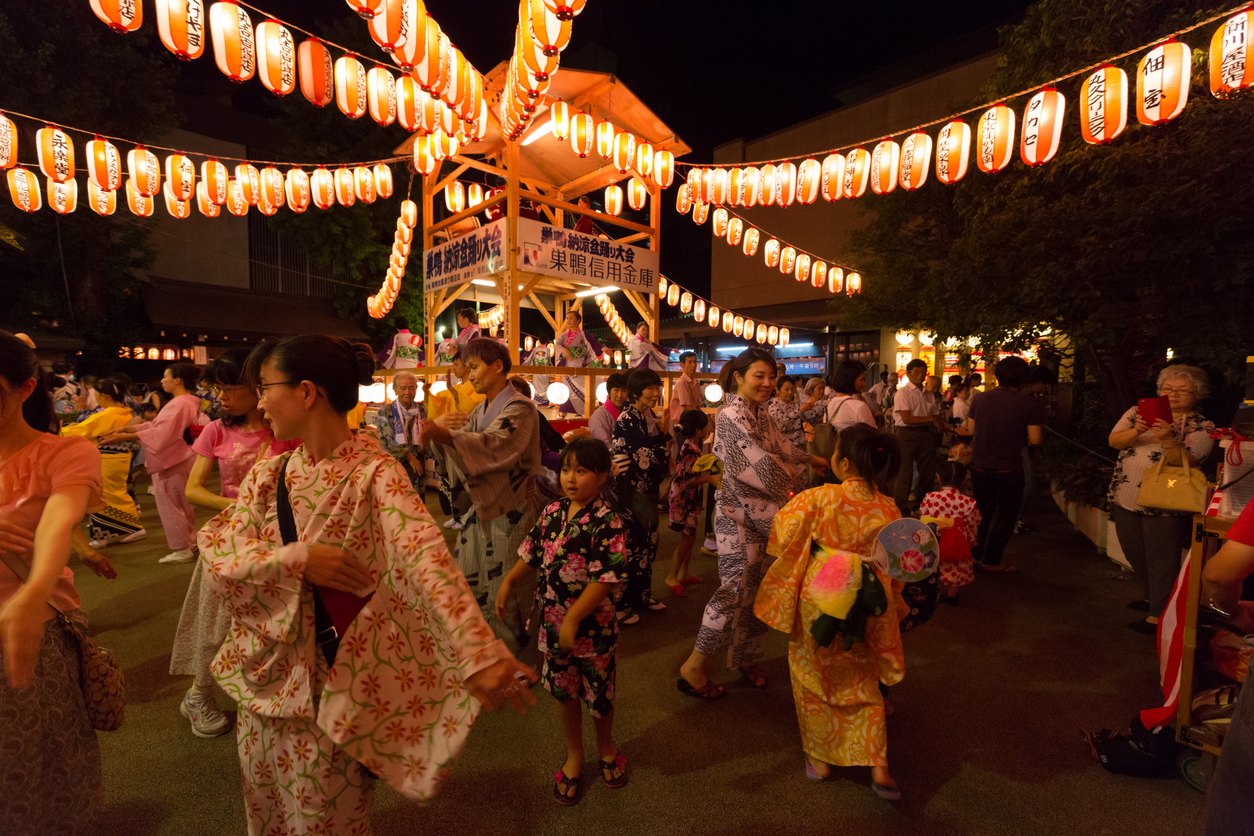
{"x":809,"y":181}
{"x":761,"y":333}
{"x":176,"y":208}
{"x":266,"y":207}
{"x":455,"y":197}
{"x":853,"y":283}
{"x":1104,"y":110}
{"x":424,"y":157}
{"x":663,"y":168}
{"x":235,"y":202}
{"x":214,"y":177}
{"x":770,"y":253}
{"x":785,"y":184}
{"x":316,"y":72}
{"x":783,"y":337}
{"x":1230,"y":68}
{"x":714,"y":393}
{"x":180,"y":177}
{"x":322,"y":188}
{"x":729,"y":321}
{"x":751,"y":180}
{"x":56,"y":154}
{"x":719,"y":226}
{"x":582,"y":134}
{"x":672,"y":295}
{"x":772,"y":334}
{"x":716,"y":182}
{"x":474,"y":194}
{"x":1042,"y":127}
{"x":276,"y":57}
{"x":345,"y":189}
{"x":818,"y":274}
{"x":916,"y":156}
{"x":63,"y":197}
{"x":249,"y":181}
{"x":624,"y":151}
{"x":996,"y":138}
{"x":613,"y":200}
{"x":381,"y":96}
{"x":801,"y":267}
{"x":365,"y":8}
{"x":836,"y":280}
{"x":831,"y":177}
{"x":430,"y":64}
{"x":121,"y":15}
{"x":350,"y":86}
{"x":857,"y":173}
{"x":104,"y":164}
{"x":181,"y":25}
{"x":618,"y":359}
{"x":787,"y":258}
{"x":738,"y":325}
{"x":769,"y":193}
{"x":662,"y":284}
{"x":382,"y":174}
{"x":1162,"y":83}
{"x":736,"y":186}
{"x":953,"y":151}
{"x":637,"y":193}
{"x":885,"y":165}
{"x":296,"y":190}
{"x":750,"y":245}
{"x":734,"y":228}
{"x":643,"y":162}
{"x":565,"y":9}
{"x":558,"y":392}
{"x":144,"y":171}
{"x":698,"y":310}
{"x":104,"y":201}
{"x":700,"y":211}
{"x":232,"y":31}
{"x":8,"y":144}
{"x":748,"y":330}
{"x":685,"y":303}
{"x":605,"y":140}
{"x":141,"y":205}
{"x":390,"y":24}
{"x":713,"y":318}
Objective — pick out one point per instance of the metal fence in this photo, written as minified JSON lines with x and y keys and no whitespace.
{"x":276,"y":265}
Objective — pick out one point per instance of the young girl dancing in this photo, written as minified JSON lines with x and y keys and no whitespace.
{"x":691,"y":430}
{"x":839,"y":704}
{"x":957,"y":569}
{"x":579,"y":549}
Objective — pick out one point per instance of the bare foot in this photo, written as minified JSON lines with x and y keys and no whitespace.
{"x":823,"y":770}
{"x":879,"y":774}
{"x":695,"y":676}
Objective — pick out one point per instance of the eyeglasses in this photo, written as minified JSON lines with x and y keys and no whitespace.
{"x":1168,"y":390}
{"x":227,"y":390}
{"x":262,"y":387}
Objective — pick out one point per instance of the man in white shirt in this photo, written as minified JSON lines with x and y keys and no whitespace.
{"x":916,"y":417}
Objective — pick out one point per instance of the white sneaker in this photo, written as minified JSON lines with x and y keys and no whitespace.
{"x":131,"y":538}
{"x":207,"y":720}
{"x":710,"y":544}
{"x":152,"y":491}
{"x":98,"y":544}
{"x":453,"y":524}
{"x":180,"y":556}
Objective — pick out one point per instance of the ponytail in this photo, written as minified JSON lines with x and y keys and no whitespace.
{"x":689,"y":424}
{"x":874,"y":455}
{"x":332,"y":364}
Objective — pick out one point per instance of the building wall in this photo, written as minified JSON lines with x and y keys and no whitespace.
{"x":744,"y":283}
{"x":199,"y":249}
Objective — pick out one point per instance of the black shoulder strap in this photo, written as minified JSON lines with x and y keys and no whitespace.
{"x":325,"y":634}
{"x":287,"y":522}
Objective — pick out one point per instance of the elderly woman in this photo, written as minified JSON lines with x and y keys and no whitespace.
{"x":398,"y":425}
{"x":1151,"y":538}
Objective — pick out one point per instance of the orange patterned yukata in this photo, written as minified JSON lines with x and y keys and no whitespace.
{"x":839,"y":705}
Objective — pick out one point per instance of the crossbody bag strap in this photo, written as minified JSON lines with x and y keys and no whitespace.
{"x":325,"y":634}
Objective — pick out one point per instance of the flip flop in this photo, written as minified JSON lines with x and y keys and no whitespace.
{"x":812,"y":773}
{"x":1005,"y":570}
{"x":677,"y":590}
{"x":755,"y":678}
{"x":691,"y":580}
{"x":607,"y":767}
{"x":562,"y":785}
{"x":886,"y":792}
{"x":708,"y":691}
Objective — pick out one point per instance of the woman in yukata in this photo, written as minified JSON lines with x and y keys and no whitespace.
{"x":355,"y":647}
{"x":575,"y":348}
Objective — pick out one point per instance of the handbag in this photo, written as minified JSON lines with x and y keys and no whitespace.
{"x":100,"y":676}
{"x":1169,"y":488}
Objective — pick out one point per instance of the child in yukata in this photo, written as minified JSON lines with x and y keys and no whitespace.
{"x":957,"y":568}
{"x":579,"y":549}
{"x":691,"y":430}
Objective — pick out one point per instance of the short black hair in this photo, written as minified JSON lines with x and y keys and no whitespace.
{"x":618,"y":380}
{"x":227,"y":369}
{"x":916,"y":364}
{"x":1011,"y":371}
{"x":469,"y":313}
{"x":487,"y":351}
{"x":692,"y":421}
{"x":523,"y":387}
{"x":589,"y":453}
{"x":639,"y":380}
{"x":186,"y":373}
{"x":61,"y":368}
{"x":686,"y":355}
{"x":883,"y":377}
{"x":956,"y":379}
{"x":953,"y":474}
{"x":333,"y":364}
{"x":845,"y":379}
{"x":785,"y":379}
{"x":402,"y":324}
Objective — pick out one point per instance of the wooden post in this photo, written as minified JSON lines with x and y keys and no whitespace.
{"x":428,"y":298}
{"x":510,"y":286}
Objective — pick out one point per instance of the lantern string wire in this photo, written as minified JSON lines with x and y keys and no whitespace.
{"x":696,"y":297}
{"x":1033,"y":89}
{"x":782,"y":243}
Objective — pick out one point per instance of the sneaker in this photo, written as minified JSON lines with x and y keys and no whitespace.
{"x":710,"y":546}
{"x":180,"y":556}
{"x":100,"y":544}
{"x":131,"y":538}
{"x":655,"y":605}
{"x":207,"y":721}
{"x":453,"y":524}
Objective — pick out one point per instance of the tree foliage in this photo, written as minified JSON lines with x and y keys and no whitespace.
{"x":1128,"y":248}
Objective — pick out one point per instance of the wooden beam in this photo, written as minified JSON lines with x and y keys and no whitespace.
{"x":468,"y":212}
{"x":530,"y":285}
{"x":509,"y":293}
{"x":591,"y":93}
{"x":480,"y":165}
{"x":574,"y":188}
{"x":600,"y":216}
{"x":639,"y":304}
{"x":635,"y":236}
{"x":454,"y":293}
{"x":544,"y":310}
{"x":456,"y":173}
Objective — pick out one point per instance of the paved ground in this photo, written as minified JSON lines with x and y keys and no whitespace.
{"x":985,"y":738}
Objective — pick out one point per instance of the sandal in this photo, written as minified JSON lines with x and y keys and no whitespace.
{"x":886,"y":792}
{"x":999,"y":568}
{"x":755,"y":677}
{"x":708,"y":691}
{"x":619,"y":763}
{"x":691,"y":580}
{"x":677,"y":589}
{"x":562,"y":785}
{"x":812,"y":773}
{"x":654,"y":604}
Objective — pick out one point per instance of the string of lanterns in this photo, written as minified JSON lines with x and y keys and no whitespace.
{"x":617,"y":325}
{"x":543,"y":32}
{"x":492,"y":318}
{"x":732,"y":323}
{"x":379,"y":304}
{"x":439,"y":94}
{"x":1161,"y":93}
{"x":268,"y":188}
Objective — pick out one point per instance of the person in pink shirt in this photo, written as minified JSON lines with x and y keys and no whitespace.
{"x":50,"y":771}
{"x":687,"y":392}
{"x":169,"y":460}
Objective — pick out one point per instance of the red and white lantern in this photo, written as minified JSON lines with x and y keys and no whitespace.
{"x":322,"y":188}
{"x":381,"y":95}
{"x":8,"y":143}
{"x":455,"y":197}
{"x":624,"y":151}
{"x":734,"y":229}
{"x":953,"y":150}
{"x":1230,"y":68}
{"x":425,"y":161}
{"x":996,"y":139}
{"x":144,"y":171}
{"x":180,"y":177}
{"x":103,"y":202}
{"x":683,"y":199}
{"x":582,"y":134}
{"x":1104,"y":105}
{"x":181,"y":25}
{"x":700,"y":211}
{"x":273,"y":186}
{"x":383,"y":180}
{"x":350,"y":86}
{"x":637,"y":194}
{"x":916,"y":157}
{"x":177,"y":208}
{"x":345,"y":189}
{"x":801,"y":267}
{"x":809,"y":181}
{"x":785,"y":183}
{"x":391,"y":24}
{"x":551,"y":33}
{"x":1042,"y":127}
{"x":885,"y":166}
{"x":750,"y":245}
{"x":233,"y":47}
{"x":853,"y":283}
{"x":857,"y":173}
{"x":317,"y":72}
{"x":768,"y":194}
{"x":644,"y":158}
{"x":1162,"y":83}
{"x":559,"y":116}
{"x":565,"y":9}
{"x":296,"y":190}
{"x":714,"y":316}
{"x":24,"y":189}
{"x":104,"y":164}
{"x":236,"y":203}
{"x":787,"y":259}
{"x":818,"y":274}
{"x":363,"y":184}
{"x":605,"y":136}
{"x":56,"y":154}
{"x":613,"y":200}
{"x":663,"y":168}
{"x":770,"y":253}
{"x":832,"y":177}
{"x":249,"y":180}
{"x":63,"y":197}
{"x":365,"y":8}
{"x":141,"y":205}
{"x":276,"y":57}
{"x":408,"y":103}
{"x":738,"y":325}
{"x":729,"y":321}
{"x":735,"y":187}
{"x":719,"y":225}
{"x":121,"y":15}
{"x":751,"y":183}
{"x":429,"y":65}
{"x":409,"y":213}
{"x":836,"y":280}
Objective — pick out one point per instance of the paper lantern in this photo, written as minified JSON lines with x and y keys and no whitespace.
{"x":249,"y":182}
{"x":772,"y":335}
{"x":381,"y":95}
{"x":582,"y":134}
{"x":729,"y":321}
{"x":695,"y":184}
{"x":714,"y":393}
{"x":365,"y":8}
{"x":857,"y":173}
{"x":430,"y":68}
{"x":382,"y":174}
{"x":683,"y":199}
{"x":734,"y":228}
{"x":424,"y":156}
{"x":8,"y":143}
{"x":104,"y":164}
{"x":738,"y":325}
{"x":345,"y":188}
{"x":390,"y":24}
{"x":63,"y":197}
{"x":103,"y":201}
{"x":770,"y":253}
{"x":624,"y":151}
{"x":180,"y":177}
{"x":1104,"y":100}
{"x":637,"y":193}
{"x":181,"y":25}
{"x":750,"y":245}
{"x":266,"y":207}
{"x":121,"y":15}
{"x":750,"y":186}
{"x":551,"y":33}
{"x":785,"y":184}
{"x":180,"y":209}
{"x":412,"y":104}
{"x":835,"y":280}
{"x":698,"y":310}
{"x":832,"y":176}
{"x":853,"y":284}
{"x":455,"y":197}
{"x":141,"y":205}
{"x":363,"y":184}
{"x":1230,"y":69}
{"x":760,"y":333}
{"x":409,"y":213}
{"x":233,"y":48}
{"x":273,"y":186}
{"x":276,"y":57}
{"x":769,"y":192}
{"x":1162,"y":83}
{"x":558,"y":392}
{"x":672,"y":295}
{"x":735,"y":186}
{"x":809,"y":181}
{"x":719,"y":227}
{"x":296,"y":190}
{"x":713,"y":317}
{"x":996,"y":139}
{"x":613,"y":200}
{"x":801,"y":267}
{"x":885,"y":166}
{"x":559,"y":120}
{"x":685,"y":302}
{"x":350,"y":86}
{"x":322,"y":188}
{"x":787,"y":259}
{"x":700,"y":211}
{"x":643,"y":162}
{"x":783,"y":337}
{"x":56,"y":154}
{"x":565,"y":9}
{"x":236,"y":203}
{"x":144,"y":170}
{"x":1042,"y":127}
{"x":953,"y":151}
{"x":916,"y":157}
{"x":818,"y":274}
{"x":605,"y":137}
{"x":663,"y":168}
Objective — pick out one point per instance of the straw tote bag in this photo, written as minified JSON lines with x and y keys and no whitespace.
{"x":1169,"y":488}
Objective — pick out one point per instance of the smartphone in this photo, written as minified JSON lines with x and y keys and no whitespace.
{"x":1152,"y":410}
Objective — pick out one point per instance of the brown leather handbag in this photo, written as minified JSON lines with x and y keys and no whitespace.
{"x":1169,"y":488}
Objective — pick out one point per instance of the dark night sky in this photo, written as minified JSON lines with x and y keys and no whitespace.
{"x":713,"y":71}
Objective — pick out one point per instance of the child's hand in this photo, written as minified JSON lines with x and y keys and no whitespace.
{"x":502,"y":599}
{"x":566,"y":635}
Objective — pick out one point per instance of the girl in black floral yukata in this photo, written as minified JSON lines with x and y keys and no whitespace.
{"x":578,"y":549}
{"x":641,"y":446}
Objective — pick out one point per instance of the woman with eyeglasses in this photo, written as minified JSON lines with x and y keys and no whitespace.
{"x":169,"y":459}
{"x":1151,"y":538}
{"x":235,"y":442}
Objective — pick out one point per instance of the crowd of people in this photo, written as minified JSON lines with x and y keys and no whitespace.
{"x":327,"y":605}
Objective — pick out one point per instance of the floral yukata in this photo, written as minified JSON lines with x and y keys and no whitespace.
{"x":582,"y":353}
{"x":790,"y":420}
{"x":759,"y":468}
{"x":394,"y":702}
{"x":955,"y":505}
{"x":638,"y":436}
{"x":120,"y":516}
{"x":398,"y":435}
{"x":685,"y":504}
{"x":492,"y":466}
{"x":570,"y":554}
{"x":839,"y":704}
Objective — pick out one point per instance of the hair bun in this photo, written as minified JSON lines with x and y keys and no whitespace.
{"x":365,"y":359}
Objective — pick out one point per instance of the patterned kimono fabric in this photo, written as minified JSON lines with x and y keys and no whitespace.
{"x":492,"y":466}
{"x":394,"y":702}
{"x":120,"y":516}
{"x":839,"y":704}
{"x":788,"y":417}
{"x":393,"y":422}
{"x":758,"y":474}
{"x":581,"y":353}
{"x":638,"y":436}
